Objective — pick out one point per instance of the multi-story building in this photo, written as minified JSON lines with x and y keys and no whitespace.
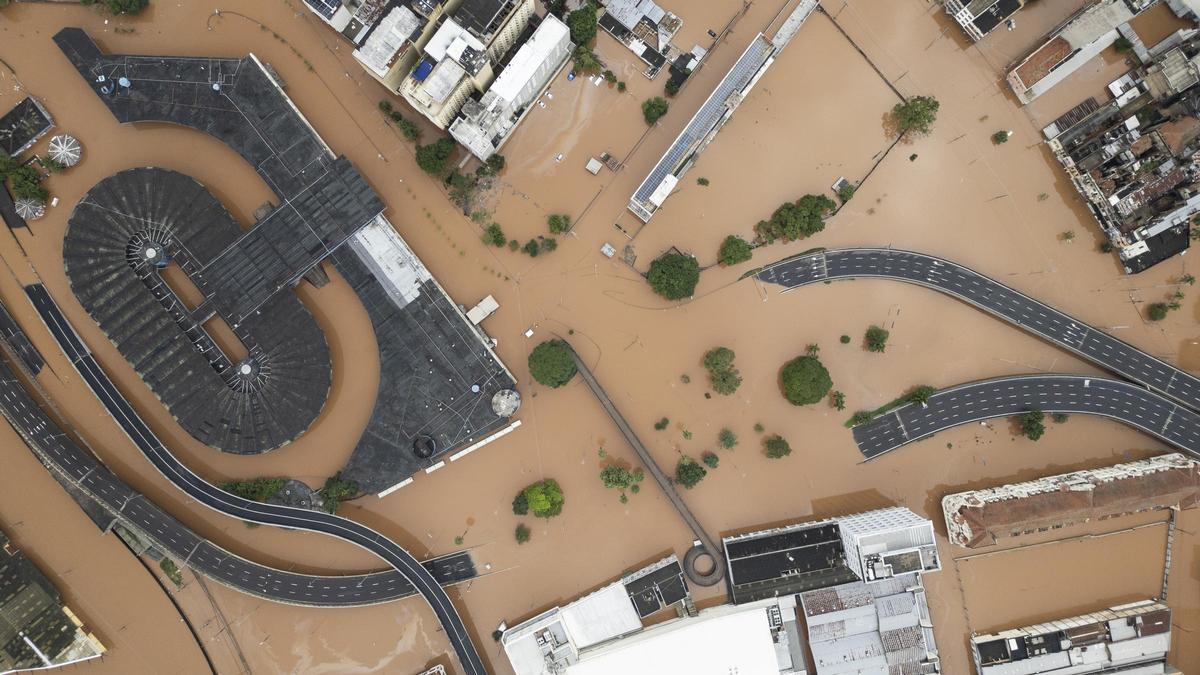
{"x":980,"y":17}
{"x":1133,"y":639}
{"x":981,"y":517}
{"x":887,"y":542}
{"x":485,"y":124}
{"x":496,"y":23}
{"x":389,"y":50}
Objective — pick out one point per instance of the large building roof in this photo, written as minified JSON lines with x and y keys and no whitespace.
{"x":23,"y":125}
{"x":980,"y":517}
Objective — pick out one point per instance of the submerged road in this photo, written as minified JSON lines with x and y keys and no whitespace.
{"x":270,"y":514}
{"x":1007,"y":396}
{"x":707,"y":545}
{"x":994,"y":298}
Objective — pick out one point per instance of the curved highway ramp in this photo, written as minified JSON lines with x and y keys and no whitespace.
{"x":1006,"y":396}
{"x":270,"y":514}
{"x":994,"y":298}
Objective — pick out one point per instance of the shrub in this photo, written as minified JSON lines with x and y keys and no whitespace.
{"x":777,"y":447}
{"x":734,"y":250}
{"x":845,"y":339}
{"x":496,"y":163}
{"x":337,"y":490}
{"x":621,"y":86}
{"x":582,"y":23}
{"x":520,"y":505}
{"x":386,"y":107}
{"x":727,"y":439}
{"x":170,"y":569}
{"x":1059,"y":417}
{"x":674,"y":275}
{"x":662,"y":424}
{"x":653,"y":109}
{"x":1157,"y":311}
{"x":710,"y":459}
{"x":1122,"y":45}
{"x":1032,"y":424}
{"x":688,"y":472}
{"x":558,"y":223}
{"x":551,"y":363}
{"x":805,"y":380}
{"x":1106,"y":247}
{"x":548,"y":244}
{"x":545,"y":498}
{"x":409,"y":128}
{"x":1000,"y":138}
{"x":513,"y":245}
{"x":531,"y":248}
{"x":616,"y":477}
{"x":522,"y":533}
{"x":494,"y":236}
{"x":838,"y":399}
{"x":672,"y":87}
{"x":702,"y":181}
{"x":916,"y":115}
{"x":610,"y":77}
{"x":877,"y":339}
{"x":256,"y":490}
{"x":432,"y":158}
{"x":758,"y":427}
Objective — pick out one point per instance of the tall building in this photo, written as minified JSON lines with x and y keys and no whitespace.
{"x":1132,"y":639}
{"x":979,"y":518}
{"x":458,"y":60}
{"x":36,"y":629}
{"x":485,"y":125}
{"x":887,"y":542}
{"x":391,"y":47}
{"x":980,"y":17}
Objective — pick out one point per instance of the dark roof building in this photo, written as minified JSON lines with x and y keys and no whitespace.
{"x":22,"y":126}
{"x":438,"y":374}
{"x":36,"y":629}
{"x":980,"y":17}
{"x":786,"y":561}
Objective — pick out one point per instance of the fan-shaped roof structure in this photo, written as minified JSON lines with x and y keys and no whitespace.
{"x":30,"y":209}
{"x":65,"y":149}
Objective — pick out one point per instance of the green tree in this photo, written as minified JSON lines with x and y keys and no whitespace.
{"x":1000,"y":138}
{"x":877,"y":339}
{"x":688,"y":472}
{"x":726,"y":382}
{"x":1157,"y":311}
{"x":674,"y":275}
{"x":126,"y":6}
{"x":582,"y":23}
{"x":702,"y":181}
{"x":520,"y":504}
{"x":170,"y":569}
{"x":662,"y":424}
{"x":621,"y":86}
{"x":545,"y":498}
{"x":672,"y":87}
{"x":1122,"y":45}
{"x":494,"y":236}
{"x":1032,"y":424}
{"x":385,"y":106}
{"x":531,"y":248}
{"x":558,"y":223}
{"x":409,"y":128}
{"x":337,"y":490}
{"x":845,"y":339}
{"x":921,"y":394}
{"x":734,"y":250}
{"x":805,"y":381}
{"x":777,"y":447}
{"x":255,"y":489}
{"x":845,"y":193}
{"x":839,"y":400}
{"x":792,"y":221}
{"x":710,"y":459}
{"x":547,"y":244}
{"x":432,"y":158}
{"x":610,"y":77}
{"x":586,"y":60}
{"x":496,"y":163}
{"x":522,"y":533}
{"x":616,"y":477}
{"x":718,"y":359}
{"x":1059,"y":417}
{"x":551,"y":363}
{"x":1187,"y":279}
{"x":727,"y":439}
{"x":916,"y":115}
{"x":653,"y":109}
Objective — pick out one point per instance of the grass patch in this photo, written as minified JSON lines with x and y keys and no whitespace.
{"x":170,"y":569}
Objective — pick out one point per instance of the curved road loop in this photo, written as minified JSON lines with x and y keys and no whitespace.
{"x":664,"y":483}
{"x":231,"y":505}
{"x":1007,"y":396}
{"x":994,"y":298}
{"x":77,"y":466}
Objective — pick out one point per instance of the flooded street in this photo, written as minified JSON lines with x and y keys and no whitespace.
{"x":816,"y":115}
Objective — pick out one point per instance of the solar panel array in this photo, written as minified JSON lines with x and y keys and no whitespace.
{"x":326,"y":8}
{"x":707,"y":117}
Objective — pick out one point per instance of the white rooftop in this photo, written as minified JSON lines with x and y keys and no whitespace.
{"x":524,"y":65}
{"x":603,"y":615}
{"x":390,"y":36}
{"x":728,"y":639}
{"x":451,"y":39}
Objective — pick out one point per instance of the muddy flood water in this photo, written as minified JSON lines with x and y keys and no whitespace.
{"x":817,"y":115}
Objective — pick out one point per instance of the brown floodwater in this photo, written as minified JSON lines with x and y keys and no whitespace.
{"x":814,"y":117}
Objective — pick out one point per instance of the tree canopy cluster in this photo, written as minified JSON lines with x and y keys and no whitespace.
{"x":725,"y":379}
{"x":805,"y":380}
{"x":1032,"y":424}
{"x":654,"y":108}
{"x":432,"y":157}
{"x":734,"y":250}
{"x":337,"y":490}
{"x":25,"y":179}
{"x":551,"y":363}
{"x":876,"y":339}
{"x":795,"y":220}
{"x":121,"y":6}
{"x":582,"y":23}
{"x":777,"y":447}
{"x":689,"y":472}
{"x":916,"y":115}
{"x":674,"y":275}
{"x":544,"y":499}
{"x":255,"y":489}
{"x":558,"y":223}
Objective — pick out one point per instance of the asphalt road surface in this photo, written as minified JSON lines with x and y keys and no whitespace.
{"x":270,"y":514}
{"x":1007,"y":396}
{"x":995,"y":298}
{"x":70,"y":461}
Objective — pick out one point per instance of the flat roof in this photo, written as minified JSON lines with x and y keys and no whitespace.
{"x":738,"y":641}
{"x":786,"y":560}
{"x":483,"y":17}
{"x":525,"y":64}
{"x":23,"y":125}
{"x":394,"y":32}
